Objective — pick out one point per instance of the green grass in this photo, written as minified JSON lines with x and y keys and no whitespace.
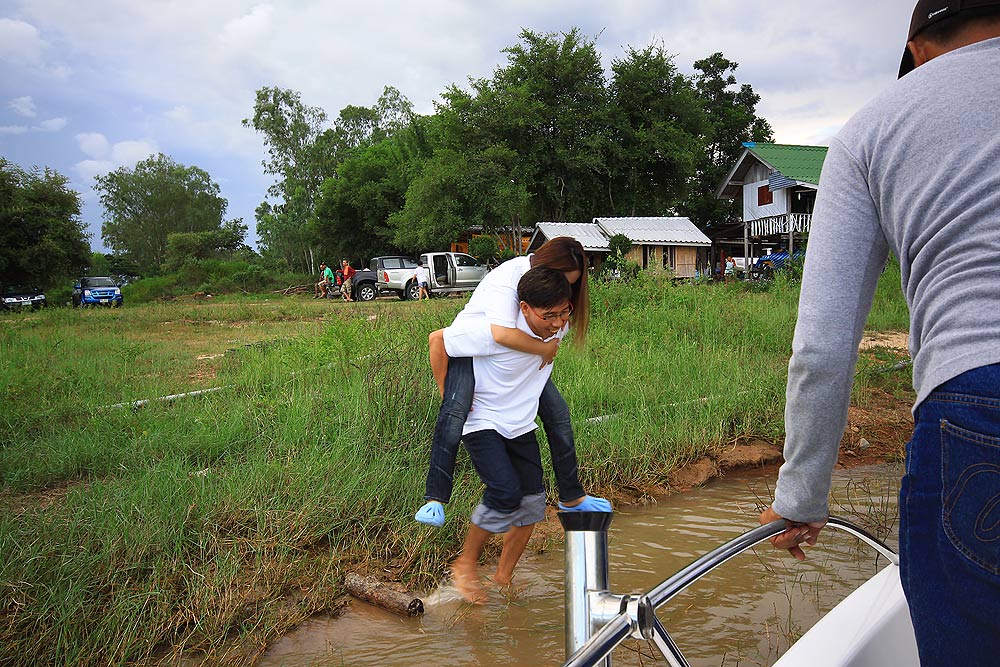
{"x":214,"y":523}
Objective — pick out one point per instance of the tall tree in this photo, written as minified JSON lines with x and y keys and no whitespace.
{"x":548,"y":105}
{"x":354,"y":207}
{"x":291,"y":133}
{"x":732,"y":118}
{"x":42,"y":239}
{"x":456,"y":191}
{"x":303,"y":154}
{"x":659,"y":126}
{"x":142,"y":206}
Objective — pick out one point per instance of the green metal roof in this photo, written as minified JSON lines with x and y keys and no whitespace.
{"x":800,"y":163}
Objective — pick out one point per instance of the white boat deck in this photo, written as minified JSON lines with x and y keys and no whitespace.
{"x":870,"y":628}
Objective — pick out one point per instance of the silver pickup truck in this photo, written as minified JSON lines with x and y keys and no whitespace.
{"x":446,"y":272}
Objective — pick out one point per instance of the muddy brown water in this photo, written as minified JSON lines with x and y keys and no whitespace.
{"x":744,"y":613}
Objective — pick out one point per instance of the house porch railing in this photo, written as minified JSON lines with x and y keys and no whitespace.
{"x":780,"y":224}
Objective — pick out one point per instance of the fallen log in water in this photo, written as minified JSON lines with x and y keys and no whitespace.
{"x":374,"y":591}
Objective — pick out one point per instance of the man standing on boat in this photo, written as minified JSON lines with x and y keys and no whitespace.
{"x":915,"y":172}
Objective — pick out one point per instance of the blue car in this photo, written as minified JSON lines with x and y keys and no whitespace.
{"x":768,"y":264}
{"x":97,"y":292}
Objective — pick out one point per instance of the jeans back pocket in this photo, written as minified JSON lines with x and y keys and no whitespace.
{"x":970,"y":476}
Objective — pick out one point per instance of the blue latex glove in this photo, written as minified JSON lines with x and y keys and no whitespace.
{"x":589,"y":504}
{"x":432,"y":514}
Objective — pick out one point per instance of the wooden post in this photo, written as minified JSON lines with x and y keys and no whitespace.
{"x":746,"y":251}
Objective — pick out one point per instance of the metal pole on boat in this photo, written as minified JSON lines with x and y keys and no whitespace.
{"x":586,"y":578}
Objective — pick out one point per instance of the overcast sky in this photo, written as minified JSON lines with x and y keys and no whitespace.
{"x":88,"y":86}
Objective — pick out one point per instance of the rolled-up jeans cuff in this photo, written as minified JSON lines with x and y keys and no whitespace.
{"x":529,"y":512}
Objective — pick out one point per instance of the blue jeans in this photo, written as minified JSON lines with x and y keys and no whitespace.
{"x":950,"y":522}
{"x":459,"y":386}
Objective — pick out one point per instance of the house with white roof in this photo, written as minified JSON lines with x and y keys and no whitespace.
{"x":673,"y":243}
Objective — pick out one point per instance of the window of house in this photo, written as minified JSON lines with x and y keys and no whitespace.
{"x":764,"y":195}
{"x":669,"y":257}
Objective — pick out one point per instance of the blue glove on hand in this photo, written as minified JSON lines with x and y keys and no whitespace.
{"x":589,"y":504}
{"x":433,"y":514}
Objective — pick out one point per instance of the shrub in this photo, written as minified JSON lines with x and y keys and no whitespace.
{"x":484,"y":248}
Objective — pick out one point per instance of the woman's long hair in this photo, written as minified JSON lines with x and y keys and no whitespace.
{"x":564,"y":253}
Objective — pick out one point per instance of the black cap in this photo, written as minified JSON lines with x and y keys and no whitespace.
{"x":929,"y":12}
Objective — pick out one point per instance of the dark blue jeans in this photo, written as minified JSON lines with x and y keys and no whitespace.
{"x":459,"y":386}
{"x":950,"y":522}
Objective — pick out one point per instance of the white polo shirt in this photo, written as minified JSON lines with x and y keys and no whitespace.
{"x":508,"y":386}
{"x":493,"y":302}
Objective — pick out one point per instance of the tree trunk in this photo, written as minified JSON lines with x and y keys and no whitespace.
{"x":374,"y":591}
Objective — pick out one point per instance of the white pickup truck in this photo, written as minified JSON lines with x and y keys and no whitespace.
{"x":446,"y":272}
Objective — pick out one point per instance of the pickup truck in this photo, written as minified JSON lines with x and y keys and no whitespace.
{"x":97,"y":291}
{"x":446,"y":272}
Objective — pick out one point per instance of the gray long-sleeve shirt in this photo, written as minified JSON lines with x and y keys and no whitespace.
{"x":917,"y":172}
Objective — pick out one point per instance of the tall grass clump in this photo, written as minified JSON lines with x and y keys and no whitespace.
{"x":205,"y":527}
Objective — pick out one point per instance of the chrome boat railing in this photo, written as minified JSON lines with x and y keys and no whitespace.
{"x":597,"y":620}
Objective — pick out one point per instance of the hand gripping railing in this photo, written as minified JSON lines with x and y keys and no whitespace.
{"x":597,"y":621}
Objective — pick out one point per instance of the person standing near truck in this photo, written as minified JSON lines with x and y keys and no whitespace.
{"x":915,"y":172}
{"x":420,"y":276}
{"x":348,"y":271}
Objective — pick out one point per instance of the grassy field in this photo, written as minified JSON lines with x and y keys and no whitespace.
{"x":209,"y":525}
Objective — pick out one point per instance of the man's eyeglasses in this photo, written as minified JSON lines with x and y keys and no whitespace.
{"x":549,"y":316}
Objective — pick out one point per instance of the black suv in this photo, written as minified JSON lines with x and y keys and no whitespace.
{"x":14,"y":297}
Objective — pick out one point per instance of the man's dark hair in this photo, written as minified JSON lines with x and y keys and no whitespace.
{"x":945,"y":30}
{"x":543,"y":287}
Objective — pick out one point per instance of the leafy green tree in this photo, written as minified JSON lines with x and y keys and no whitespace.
{"x":484,"y":248}
{"x":732,"y":118}
{"x":223,"y":242}
{"x":437,"y":207}
{"x":306,"y":156}
{"x":455,"y":192}
{"x":354,"y":207}
{"x":144,"y":205}
{"x":617,"y":265}
{"x":619,"y":244}
{"x":100,"y":265}
{"x":42,"y":239}
{"x":300,"y":162}
{"x":548,"y":107}
{"x":659,"y":125}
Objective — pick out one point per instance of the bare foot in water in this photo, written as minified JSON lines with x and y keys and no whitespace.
{"x":501,"y":581}
{"x":466,"y":580}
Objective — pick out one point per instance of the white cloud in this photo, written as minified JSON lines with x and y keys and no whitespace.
{"x":180,"y":114}
{"x":247,"y":30}
{"x":23,"y":106}
{"x":106,"y":157}
{"x":20,"y":43}
{"x":88,"y":169}
{"x":51,"y":125}
{"x":127,"y":153}
{"x":94,"y":144}
{"x":13,"y":129}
